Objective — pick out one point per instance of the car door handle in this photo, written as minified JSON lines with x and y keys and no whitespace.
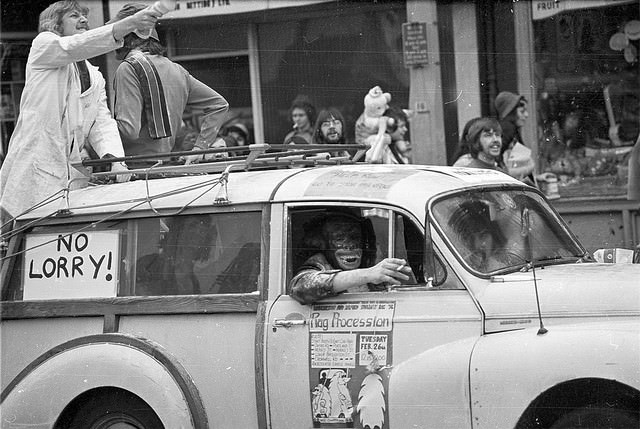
{"x":287,"y":323}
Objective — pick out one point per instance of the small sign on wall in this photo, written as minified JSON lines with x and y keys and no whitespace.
{"x":414,"y":44}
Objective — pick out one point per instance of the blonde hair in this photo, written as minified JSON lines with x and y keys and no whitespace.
{"x":51,"y":17}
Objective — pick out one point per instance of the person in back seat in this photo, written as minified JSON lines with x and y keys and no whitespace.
{"x":336,"y":267}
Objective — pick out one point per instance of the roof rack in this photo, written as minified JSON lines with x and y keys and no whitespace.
{"x":256,"y":156}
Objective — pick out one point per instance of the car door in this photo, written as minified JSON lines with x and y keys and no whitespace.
{"x":335,"y":363}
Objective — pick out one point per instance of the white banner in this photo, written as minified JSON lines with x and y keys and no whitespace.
{"x":77,"y":265}
{"x":543,"y":9}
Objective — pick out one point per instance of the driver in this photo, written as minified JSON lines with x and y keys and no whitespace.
{"x":481,"y":238}
{"x":336,"y":267}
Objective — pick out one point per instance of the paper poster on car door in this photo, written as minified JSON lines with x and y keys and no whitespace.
{"x":350,"y":358}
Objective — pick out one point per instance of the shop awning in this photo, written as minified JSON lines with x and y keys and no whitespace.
{"x":542,"y":9}
{"x":194,"y":8}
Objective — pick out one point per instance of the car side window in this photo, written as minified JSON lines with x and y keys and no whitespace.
{"x":385,"y":233}
{"x":198,"y":254}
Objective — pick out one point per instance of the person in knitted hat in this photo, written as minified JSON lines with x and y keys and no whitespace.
{"x":513,"y":114}
{"x":171,"y":90}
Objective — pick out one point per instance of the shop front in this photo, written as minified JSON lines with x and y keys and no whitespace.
{"x":585,"y":80}
{"x":261,"y":55}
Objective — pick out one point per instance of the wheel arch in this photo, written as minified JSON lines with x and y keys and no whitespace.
{"x":86,"y":402}
{"x":122,"y":361}
{"x":551,"y":404}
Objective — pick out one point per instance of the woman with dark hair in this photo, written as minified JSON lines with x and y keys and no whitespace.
{"x":485,"y":144}
{"x":481,"y":241}
{"x":396,"y":148}
{"x":303,"y":115}
{"x":63,"y":109}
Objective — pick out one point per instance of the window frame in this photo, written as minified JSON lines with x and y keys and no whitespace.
{"x":113,"y":307}
{"x":291,"y":208}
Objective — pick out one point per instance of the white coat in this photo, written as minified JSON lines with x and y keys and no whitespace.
{"x":56,"y":120}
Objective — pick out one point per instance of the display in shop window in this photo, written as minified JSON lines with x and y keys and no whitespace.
{"x":586,"y":64}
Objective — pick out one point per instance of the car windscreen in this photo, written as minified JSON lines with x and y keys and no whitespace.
{"x":499,"y":230}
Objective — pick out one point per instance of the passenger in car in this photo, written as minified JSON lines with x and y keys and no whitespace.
{"x":480,"y":239}
{"x":337,"y":265}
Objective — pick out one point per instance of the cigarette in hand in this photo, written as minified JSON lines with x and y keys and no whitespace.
{"x":401,"y":267}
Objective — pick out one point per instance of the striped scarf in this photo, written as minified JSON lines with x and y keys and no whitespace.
{"x":154,"y":101}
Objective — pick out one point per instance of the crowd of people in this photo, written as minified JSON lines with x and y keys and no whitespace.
{"x":386,"y":134}
{"x":65,"y":117}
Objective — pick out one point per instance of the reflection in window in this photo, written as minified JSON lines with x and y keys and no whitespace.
{"x":200,"y":254}
{"x":496,"y":230}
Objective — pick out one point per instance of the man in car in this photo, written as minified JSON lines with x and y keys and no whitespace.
{"x":336,"y":267}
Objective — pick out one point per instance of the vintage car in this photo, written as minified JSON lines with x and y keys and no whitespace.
{"x":166,"y":302}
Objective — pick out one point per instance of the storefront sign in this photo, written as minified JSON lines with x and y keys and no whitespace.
{"x":414,"y":43}
{"x":77,"y":265}
{"x":546,"y":8}
{"x":350,"y":351}
{"x":193,"y":8}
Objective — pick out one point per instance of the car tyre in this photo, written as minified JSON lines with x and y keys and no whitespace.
{"x":111,"y":409}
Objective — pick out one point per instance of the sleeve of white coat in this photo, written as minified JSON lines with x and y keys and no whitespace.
{"x":103,"y":135}
{"x":49,"y":50}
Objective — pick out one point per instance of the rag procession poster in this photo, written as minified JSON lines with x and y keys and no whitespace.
{"x":350,"y":357}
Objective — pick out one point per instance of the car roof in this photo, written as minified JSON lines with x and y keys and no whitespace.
{"x":409,"y":186}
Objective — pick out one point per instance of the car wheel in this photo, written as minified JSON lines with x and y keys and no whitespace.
{"x":112,"y":409}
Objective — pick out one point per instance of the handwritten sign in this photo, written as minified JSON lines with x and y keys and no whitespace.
{"x":76,"y":265}
{"x":414,"y":43}
{"x":374,"y":182}
{"x":333,"y":350}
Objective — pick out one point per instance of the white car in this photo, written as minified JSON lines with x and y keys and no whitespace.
{"x":166,"y":303}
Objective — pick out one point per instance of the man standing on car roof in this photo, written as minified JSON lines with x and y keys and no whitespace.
{"x":63,"y":108}
{"x":152,"y":93}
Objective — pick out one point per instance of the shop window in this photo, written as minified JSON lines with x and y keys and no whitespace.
{"x":13,"y":59}
{"x":217,"y":55}
{"x":333,"y":57}
{"x":586,"y":64}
